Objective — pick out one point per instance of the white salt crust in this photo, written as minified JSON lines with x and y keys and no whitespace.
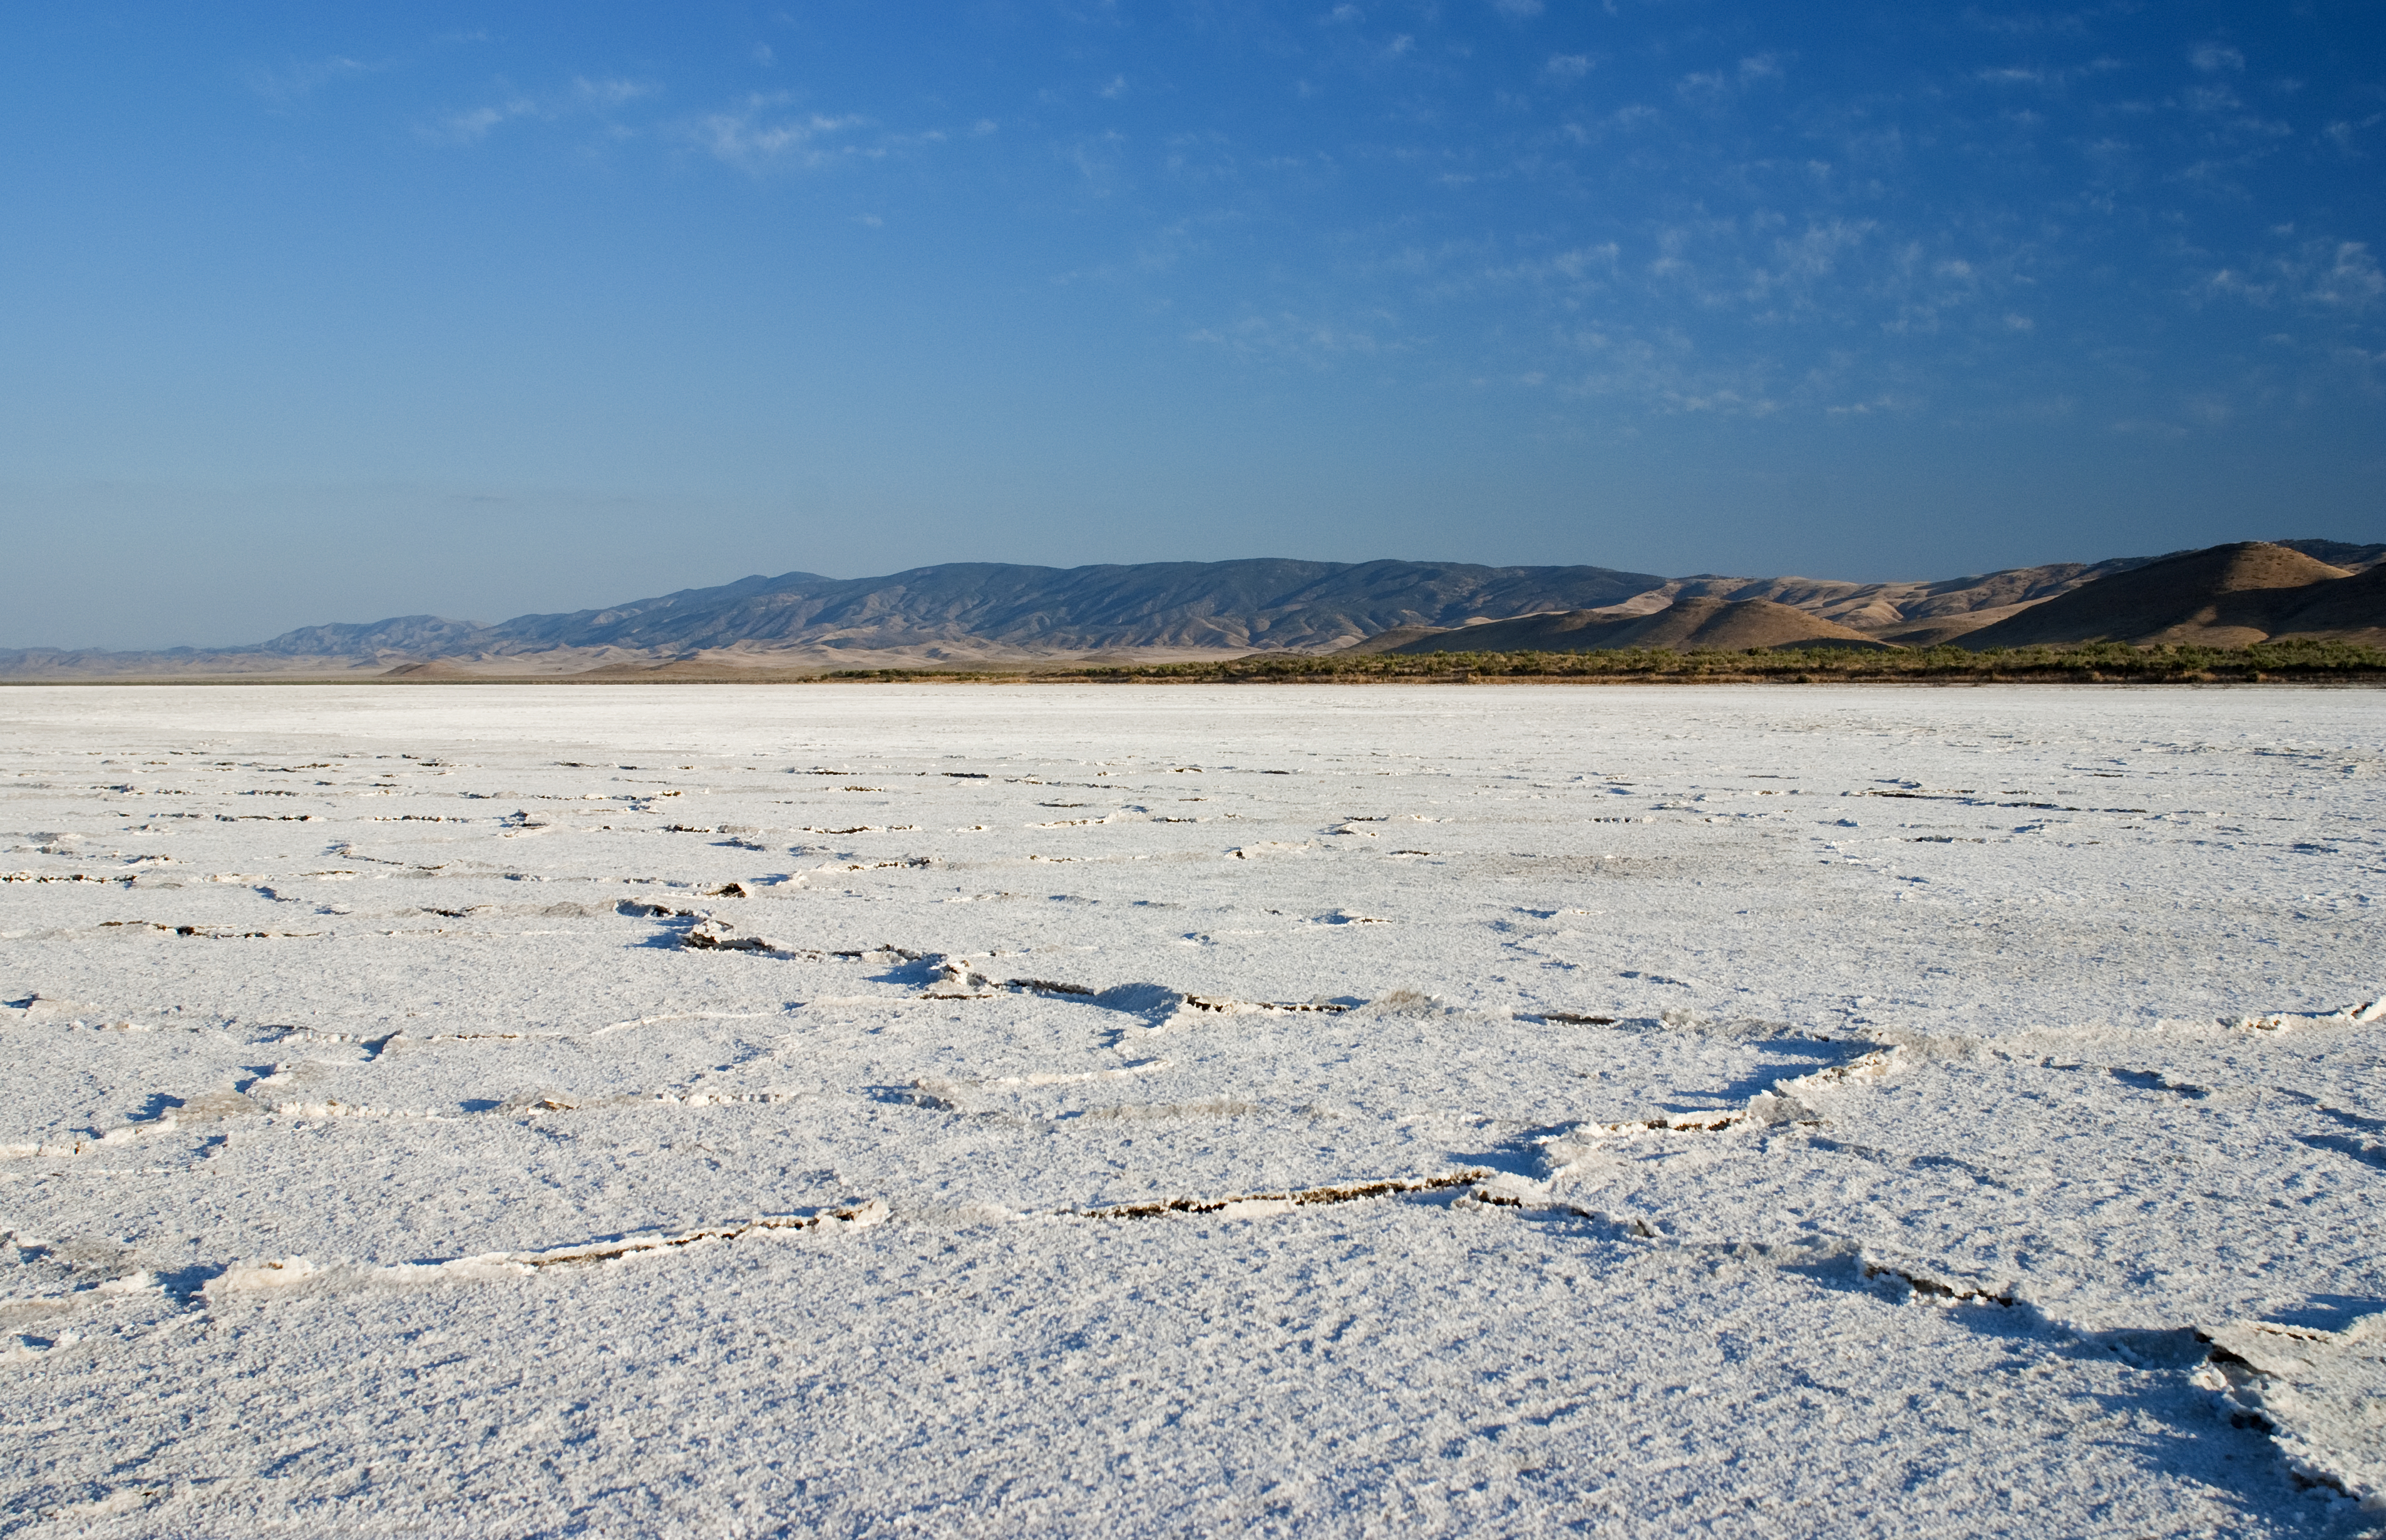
{"x":743,"y":1110}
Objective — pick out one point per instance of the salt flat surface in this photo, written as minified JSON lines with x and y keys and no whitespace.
{"x":493,"y":1110}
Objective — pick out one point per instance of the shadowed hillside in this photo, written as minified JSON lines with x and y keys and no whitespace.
{"x":2352,"y":608}
{"x":2228,"y":595}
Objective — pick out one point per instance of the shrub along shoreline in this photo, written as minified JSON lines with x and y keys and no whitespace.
{"x":2290,"y":662}
{"x":2088,"y":663}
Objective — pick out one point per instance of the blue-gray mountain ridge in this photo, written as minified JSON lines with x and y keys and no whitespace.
{"x":986,"y":608}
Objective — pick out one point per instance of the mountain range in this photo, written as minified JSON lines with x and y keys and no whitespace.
{"x":965,"y":613}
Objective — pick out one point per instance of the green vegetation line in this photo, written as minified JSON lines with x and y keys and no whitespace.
{"x":2118,"y":662}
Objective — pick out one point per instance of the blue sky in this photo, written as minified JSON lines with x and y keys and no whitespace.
{"x":324,"y":312}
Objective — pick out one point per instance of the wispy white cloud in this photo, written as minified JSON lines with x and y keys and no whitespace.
{"x":585,"y":98}
{"x":605,"y":95}
{"x":302,"y":78}
{"x":2027,"y":23}
{"x":2340,"y":279}
{"x":1583,"y":260}
{"x":1816,"y":253}
{"x":1293,"y":338}
{"x":1884,"y":403}
{"x":2350,"y":282}
{"x":1664,"y":372}
{"x":2214,"y":58}
{"x":759,"y":135}
{"x":473,"y":124}
{"x":2049,"y":77}
{"x":1712,"y":85}
{"x":2235,"y":283}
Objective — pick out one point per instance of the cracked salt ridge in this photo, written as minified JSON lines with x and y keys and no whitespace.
{"x":2316,"y":1392}
{"x":1262,"y":1205}
{"x":284,"y":1271}
{"x":1768,"y":1108}
{"x":2282,"y":1020}
{"x":956,"y":979}
{"x":281,"y":1273}
{"x":211,"y":933}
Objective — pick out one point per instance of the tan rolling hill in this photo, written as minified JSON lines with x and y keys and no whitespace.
{"x":1555,"y":630}
{"x":1910,"y":613}
{"x":429,"y":671}
{"x":1694,"y":625}
{"x":1687,"y":625}
{"x":2227,"y":595}
{"x":1401,"y":636}
{"x":1947,"y":628}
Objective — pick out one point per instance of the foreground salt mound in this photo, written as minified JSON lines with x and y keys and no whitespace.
{"x":1068,"y":1112}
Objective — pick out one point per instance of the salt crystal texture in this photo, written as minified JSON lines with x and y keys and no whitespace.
{"x":519,"y":1111}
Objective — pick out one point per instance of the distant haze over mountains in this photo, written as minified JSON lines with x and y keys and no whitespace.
{"x":1224,"y":604}
{"x":986,"y":612}
{"x":963,"y":611}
